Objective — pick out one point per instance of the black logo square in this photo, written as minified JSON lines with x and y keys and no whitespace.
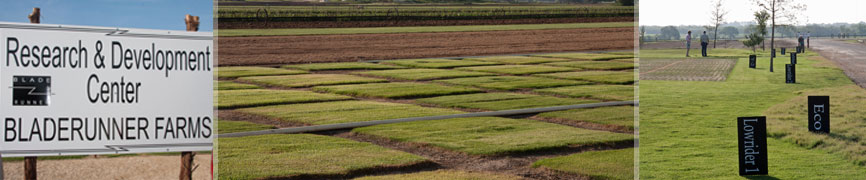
{"x":31,"y":90}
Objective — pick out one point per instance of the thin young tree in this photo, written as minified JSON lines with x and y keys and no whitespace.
{"x":717,"y":18}
{"x":781,"y":10}
{"x":761,"y":17}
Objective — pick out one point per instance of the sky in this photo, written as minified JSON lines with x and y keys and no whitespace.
{"x":144,"y":14}
{"x":697,"y":12}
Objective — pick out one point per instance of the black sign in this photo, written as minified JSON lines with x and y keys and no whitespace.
{"x":774,"y":53}
{"x":793,"y":58}
{"x":790,"y":74}
{"x":31,"y":90}
{"x":783,"y":51}
{"x":753,"y":145}
{"x":819,"y":114}
{"x":753,"y":61}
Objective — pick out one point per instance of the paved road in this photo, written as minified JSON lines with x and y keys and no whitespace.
{"x":849,"y":56}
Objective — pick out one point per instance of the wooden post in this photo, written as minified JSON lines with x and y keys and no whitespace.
{"x":191,"y":23}
{"x":34,"y":17}
{"x":1,"y":167}
{"x":186,"y":158}
{"x":30,"y":168}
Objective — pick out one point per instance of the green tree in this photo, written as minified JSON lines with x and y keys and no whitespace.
{"x":781,"y":10}
{"x":731,"y":32}
{"x":670,"y":33}
{"x":761,"y":28}
{"x":625,"y":2}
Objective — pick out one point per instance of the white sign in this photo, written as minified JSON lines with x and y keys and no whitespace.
{"x":72,"y":90}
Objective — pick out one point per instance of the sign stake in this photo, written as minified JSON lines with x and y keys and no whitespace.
{"x":1,"y":166}
{"x":186,"y":159}
{"x":30,"y":168}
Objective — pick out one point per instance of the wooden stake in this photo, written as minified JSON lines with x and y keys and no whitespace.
{"x":30,"y":168}
{"x":191,"y":23}
{"x":1,"y":167}
{"x":186,"y":158}
{"x":34,"y":17}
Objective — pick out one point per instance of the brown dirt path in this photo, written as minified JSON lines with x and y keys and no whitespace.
{"x":270,"y":50}
{"x":848,"y":56}
{"x":132,"y":167}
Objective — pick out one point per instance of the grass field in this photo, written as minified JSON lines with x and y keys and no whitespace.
{"x":614,"y":115}
{"x":491,"y":135}
{"x":438,"y":63}
{"x":396,"y":90}
{"x":307,"y":80}
{"x":787,"y":121}
{"x":261,"y":97}
{"x":589,"y":56}
{"x":517,"y":59}
{"x":418,"y":29}
{"x":228,"y":85}
{"x":518,"y":69}
{"x":501,"y":101}
{"x":690,"y":131}
{"x":605,"y":92}
{"x":607,"y":77}
{"x":443,"y":174}
{"x":596,"y":65}
{"x":240,"y":126}
{"x":512,"y":82}
{"x":607,"y":164}
{"x":242,"y":71}
{"x":424,"y":74}
{"x":341,"y":66}
{"x":267,"y":156}
{"x":345,"y":111}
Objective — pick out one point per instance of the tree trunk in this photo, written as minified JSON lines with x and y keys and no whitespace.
{"x":715,"y":35}
{"x":772,"y":33}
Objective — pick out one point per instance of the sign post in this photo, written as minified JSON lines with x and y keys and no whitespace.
{"x":752,"y":137}
{"x":753,"y":61}
{"x":819,"y":114}
{"x":790,"y":74}
{"x":793,"y":58}
{"x":783,"y":51}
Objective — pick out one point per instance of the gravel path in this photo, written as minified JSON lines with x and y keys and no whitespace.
{"x":132,"y":167}
{"x":850,"y":57}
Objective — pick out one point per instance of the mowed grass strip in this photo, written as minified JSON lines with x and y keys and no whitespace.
{"x":307,"y":80}
{"x":611,"y":115}
{"x":341,"y":66}
{"x":787,"y":121}
{"x":438,"y":63}
{"x":491,"y":135}
{"x":518,"y":59}
{"x":240,"y":126}
{"x":607,"y":77}
{"x":288,"y":155}
{"x":589,"y":56}
{"x":512,"y":82}
{"x":595,"y":65}
{"x":242,"y":71}
{"x":396,"y":90}
{"x":518,"y":69}
{"x":605,"y":92}
{"x":501,"y":101}
{"x":424,"y":74}
{"x":345,"y":111}
{"x":607,"y":164}
{"x":228,"y":85}
{"x":443,"y":174}
{"x":261,"y":97}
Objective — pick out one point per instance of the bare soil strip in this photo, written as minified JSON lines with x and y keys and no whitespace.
{"x":404,"y":23}
{"x":687,"y":69}
{"x":270,"y":50}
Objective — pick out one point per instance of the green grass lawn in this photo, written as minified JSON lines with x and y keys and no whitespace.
{"x":345,"y":111}
{"x":242,"y":71}
{"x":287,"y":155}
{"x":419,"y":29}
{"x":261,"y":97}
{"x":688,"y":129}
{"x":607,"y":164}
{"x":607,"y":77}
{"x":596,"y":65}
{"x":611,"y":115}
{"x":590,"y":56}
{"x":228,"y":85}
{"x":787,"y":121}
{"x":491,"y":135}
{"x":501,"y":101}
{"x":240,"y":126}
{"x":443,"y":174}
{"x":512,"y":82}
{"x":518,"y":69}
{"x":438,"y":63}
{"x":424,"y":74}
{"x":307,"y":80}
{"x":396,"y":90}
{"x":605,"y":92}
{"x":518,"y":59}
{"x":341,"y":66}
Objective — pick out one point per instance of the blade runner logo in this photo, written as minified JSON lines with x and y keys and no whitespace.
{"x":31,"y":90}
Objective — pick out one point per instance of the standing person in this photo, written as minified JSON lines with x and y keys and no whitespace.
{"x":800,"y":48}
{"x":808,"y":34}
{"x":705,"y":40}
{"x":688,"y":43}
